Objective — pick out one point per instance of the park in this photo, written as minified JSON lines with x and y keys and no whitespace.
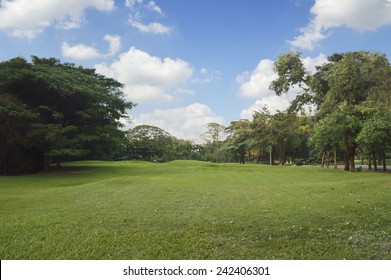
{"x":75,"y":185}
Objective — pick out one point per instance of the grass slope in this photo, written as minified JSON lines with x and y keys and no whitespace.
{"x":195,"y":210}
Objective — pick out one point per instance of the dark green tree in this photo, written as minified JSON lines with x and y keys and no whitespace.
{"x":77,"y":112}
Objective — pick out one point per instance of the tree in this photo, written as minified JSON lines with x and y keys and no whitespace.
{"x":345,"y":82}
{"x":213,"y":136}
{"x":325,"y":137}
{"x":261,"y":133}
{"x":239,"y":136}
{"x":77,"y":112}
{"x":375,"y":135}
{"x":149,"y":143}
{"x":283,"y":132}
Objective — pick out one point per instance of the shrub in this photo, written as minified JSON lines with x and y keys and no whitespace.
{"x":299,"y":162}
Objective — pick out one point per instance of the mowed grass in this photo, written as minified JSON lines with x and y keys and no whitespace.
{"x":195,"y":210}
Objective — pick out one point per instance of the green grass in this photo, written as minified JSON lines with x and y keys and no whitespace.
{"x":195,"y":210}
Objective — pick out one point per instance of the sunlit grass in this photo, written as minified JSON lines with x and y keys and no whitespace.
{"x":195,"y":210}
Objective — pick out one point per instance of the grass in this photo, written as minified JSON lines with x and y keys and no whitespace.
{"x":195,"y":210}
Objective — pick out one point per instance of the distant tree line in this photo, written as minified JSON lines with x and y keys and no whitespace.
{"x":52,"y":112}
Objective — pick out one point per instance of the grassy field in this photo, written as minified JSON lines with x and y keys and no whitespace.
{"x":195,"y":210}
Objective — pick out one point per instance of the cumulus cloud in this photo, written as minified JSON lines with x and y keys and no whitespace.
{"x":184,"y":122}
{"x":79,"y":51}
{"x":147,"y":78}
{"x":273,"y":103}
{"x":83,"y":52}
{"x":361,"y":15}
{"x":27,"y":18}
{"x":256,"y":85}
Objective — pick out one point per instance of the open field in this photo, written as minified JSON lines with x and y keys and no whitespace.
{"x":195,"y":210}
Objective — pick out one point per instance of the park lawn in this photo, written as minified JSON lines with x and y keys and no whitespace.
{"x":195,"y":210}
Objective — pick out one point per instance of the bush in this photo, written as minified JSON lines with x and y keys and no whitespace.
{"x":299,"y":162}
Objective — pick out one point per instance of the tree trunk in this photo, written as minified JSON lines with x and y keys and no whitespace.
{"x":259,"y":156}
{"x":384,"y":161}
{"x":328,"y":159}
{"x":352,"y":154}
{"x":352,"y":165}
{"x":375,"y":161}
{"x":346,"y":158}
{"x":370,"y":162}
{"x":335,"y":158}
{"x":323,"y":157}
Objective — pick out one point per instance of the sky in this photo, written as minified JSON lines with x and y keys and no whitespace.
{"x":190,"y":62}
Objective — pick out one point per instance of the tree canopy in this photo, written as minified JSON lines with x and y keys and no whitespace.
{"x":53,"y":111}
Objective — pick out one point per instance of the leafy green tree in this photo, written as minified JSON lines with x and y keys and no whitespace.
{"x":213,"y":137}
{"x":283,"y":133}
{"x":337,"y":88}
{"x":15,"y":123}
{"x":261,"y":133}
{"x":375,"y":135}
{"x":239,"y":137}
{"x":149,"y":143}
{"x":77,"y":112}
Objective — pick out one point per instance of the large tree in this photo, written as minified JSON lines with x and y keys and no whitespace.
{"x":66,"y":112}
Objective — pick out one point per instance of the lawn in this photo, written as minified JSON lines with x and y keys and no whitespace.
{"x":195,"y":210}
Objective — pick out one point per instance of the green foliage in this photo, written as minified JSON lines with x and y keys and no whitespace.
{"x":151,"y":143}
{"x":58,"y":111}
{"x":341,"y":90}
{"x":290,"y":71}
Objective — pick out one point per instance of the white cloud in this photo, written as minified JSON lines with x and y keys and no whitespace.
{"x":310,"y":63}
{"x":83,"y":52}
{"x":153,"y":7}
{"x":361,"y":15}
{"x":256,"y":85}
{"x":147,"y":93}
{"x":273,"y":103}
{"x":153,"y":27}
{"x":147,"y":78}
{"x":27,"y":18}
{"x":114,"y":43}
{"x":138,"y":10}
{"x":130,"y":3}
{"x":79,"y":51}
{"x":184,"y":122}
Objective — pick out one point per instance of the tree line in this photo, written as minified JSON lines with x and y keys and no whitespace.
{"x":52,"y":112}
{"x":350,"y":97}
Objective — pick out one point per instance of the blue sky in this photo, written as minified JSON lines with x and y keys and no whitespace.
{"x":190,"y":62}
